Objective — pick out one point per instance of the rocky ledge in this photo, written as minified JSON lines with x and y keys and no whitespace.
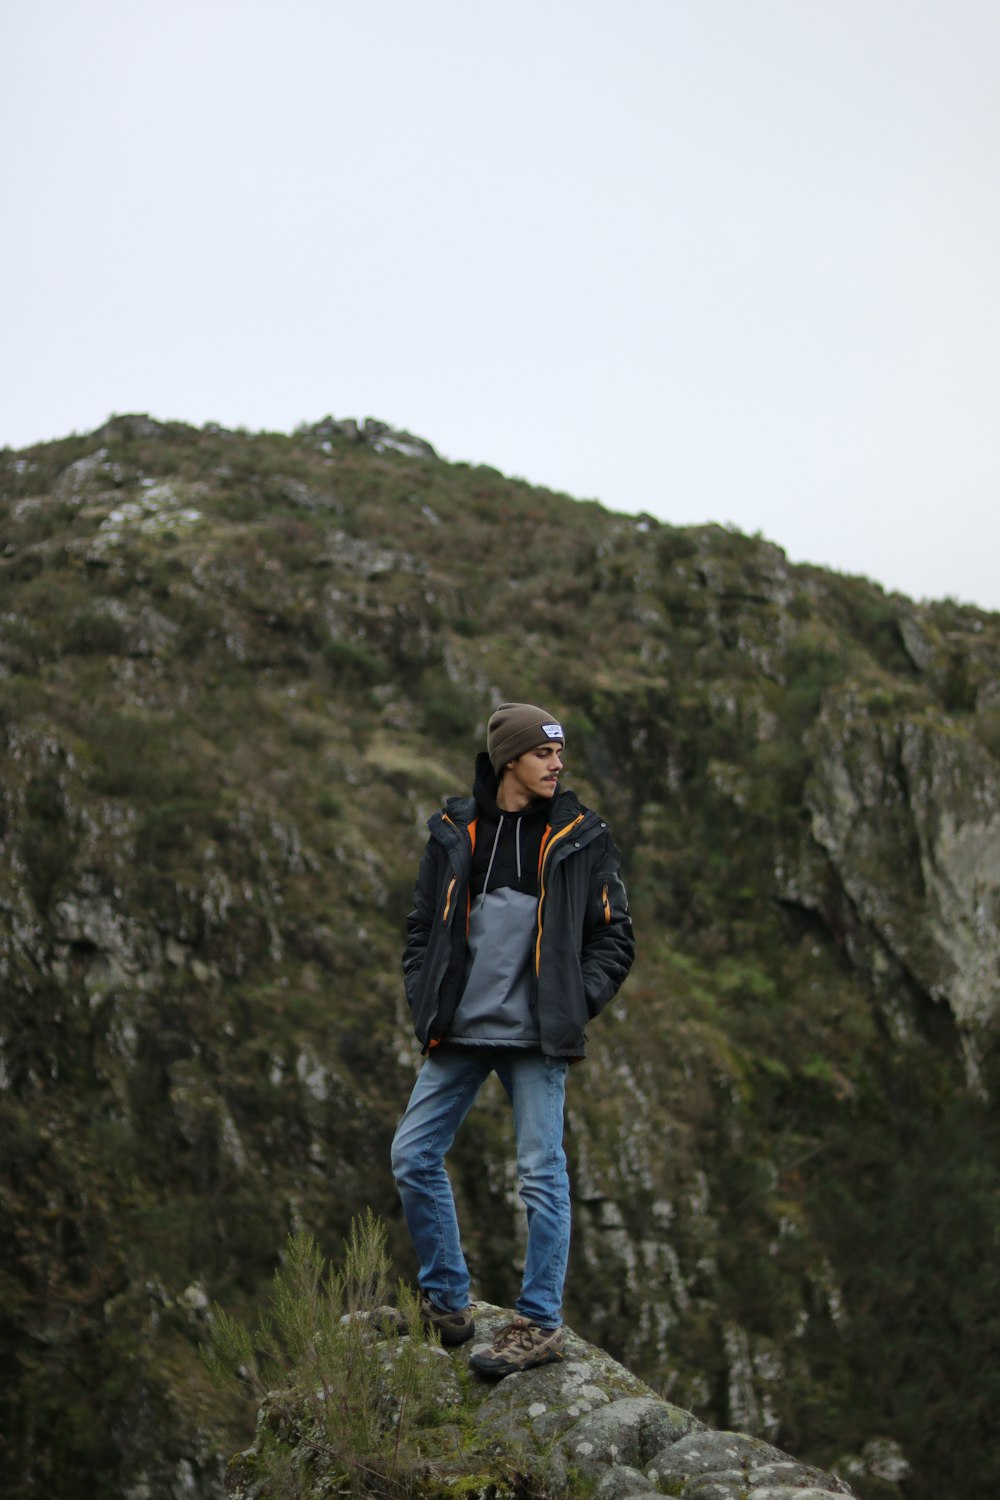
{"x":585,"y":1426}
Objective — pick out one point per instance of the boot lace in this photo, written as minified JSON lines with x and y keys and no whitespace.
{"x":518,"y":1334}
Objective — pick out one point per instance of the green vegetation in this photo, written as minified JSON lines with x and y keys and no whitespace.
{"x":356,"y":1396}
{"x":315,"y":1344}
{"x":237,"y":673}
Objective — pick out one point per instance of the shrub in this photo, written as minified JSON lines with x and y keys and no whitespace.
{"x":448,"y":713}
{"x":94,"y":632}
{"x":958,"y":692}
{"x":352,"y":662}
{"x":46,"y":840}
{"x":319,"y":1342}
{"x":674,"y":545}
{"x":328,"y":805}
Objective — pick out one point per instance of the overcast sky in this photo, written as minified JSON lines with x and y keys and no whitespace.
{"x":730,"y":260}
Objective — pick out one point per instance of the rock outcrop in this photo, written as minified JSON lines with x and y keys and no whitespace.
{"x":378,"y":435}
{"x":907,"y":809}
{"x":585,"y":1426}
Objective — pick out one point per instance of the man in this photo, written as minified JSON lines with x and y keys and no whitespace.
{"x":520,"y":933}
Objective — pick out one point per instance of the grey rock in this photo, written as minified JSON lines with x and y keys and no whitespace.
{"x":907,"y":811}
{"x":791,"y":1492}
{"x":787,"y":1474}
{"x":358,"y":556}
{"x":376,"y":434}
{"x":884,"y":1458}
{"x":628,"y":1431}
{"x":587,"y":1423}
{"x":722,"y":1464}
{"x":708,"y":1452}
{"x":621,"y":1482}
{"x":79,"y":476}
{"x":727,"y":1484}
{"x":733,"y":1485}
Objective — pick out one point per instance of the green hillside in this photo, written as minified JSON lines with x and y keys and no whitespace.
{"x":237,"y":673}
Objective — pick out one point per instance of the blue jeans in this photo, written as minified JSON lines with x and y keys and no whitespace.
{"x":443,"y":1094}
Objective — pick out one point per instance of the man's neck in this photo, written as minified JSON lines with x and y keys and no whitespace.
{"x":511,"y":799}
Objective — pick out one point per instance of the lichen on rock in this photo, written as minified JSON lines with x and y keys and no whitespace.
{"x":584,"y":1425}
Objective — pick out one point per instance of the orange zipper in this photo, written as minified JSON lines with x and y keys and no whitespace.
{"x":471,"y":834}
{"x":447,"y":899}
{"x":607,"y":906}
{"x":548,"y":847}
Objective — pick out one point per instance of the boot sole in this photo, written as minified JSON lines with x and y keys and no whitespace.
{"x":497,"y":1369}
{"x":453,"y":1339}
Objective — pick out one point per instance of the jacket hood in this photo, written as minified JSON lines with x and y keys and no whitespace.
{"x":486,"y":784}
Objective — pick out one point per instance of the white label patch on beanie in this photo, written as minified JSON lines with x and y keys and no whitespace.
{"x":554,"y":731}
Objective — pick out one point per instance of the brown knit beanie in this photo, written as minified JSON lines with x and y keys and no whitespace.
{"x":516,"y":727}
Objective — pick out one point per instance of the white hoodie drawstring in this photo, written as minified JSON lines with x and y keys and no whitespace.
{"x":493,"y":855}
{"x":493,"y":851}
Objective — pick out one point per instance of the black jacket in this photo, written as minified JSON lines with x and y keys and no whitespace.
{"x":583,"y":945}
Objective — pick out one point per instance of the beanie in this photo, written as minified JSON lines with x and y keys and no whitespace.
{"x":517,"y":727}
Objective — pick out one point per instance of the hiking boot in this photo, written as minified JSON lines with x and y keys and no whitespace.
{"x":518,"y":1346}
{"x":454,"y":1327}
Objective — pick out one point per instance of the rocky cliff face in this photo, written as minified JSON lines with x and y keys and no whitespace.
{"x":237,"y":673}
{"x":906,"y":808}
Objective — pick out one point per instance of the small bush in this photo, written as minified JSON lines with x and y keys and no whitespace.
{"x":171,"y":825}
{"x":94,"y":632}
{"x":352,"y":662}
{"x":319,"y":1342}
{"x":447,"y":712}
{"x":673,"y":545}
{"x":958,"y":692}
{"x":46,"y":840}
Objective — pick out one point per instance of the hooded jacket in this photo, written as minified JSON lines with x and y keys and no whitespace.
{"x":583,"y":943}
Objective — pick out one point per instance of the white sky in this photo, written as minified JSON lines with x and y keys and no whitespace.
{"x":733,"y":260}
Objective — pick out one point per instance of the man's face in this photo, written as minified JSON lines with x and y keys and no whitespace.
{"x":535,"y":773}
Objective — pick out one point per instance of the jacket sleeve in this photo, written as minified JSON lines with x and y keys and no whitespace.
{"x":608,"y":940}
{"x":420,"y":920}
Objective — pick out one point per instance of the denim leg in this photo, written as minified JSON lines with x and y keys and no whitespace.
{"x":443,"y":1094}
{"x":537,"y":1090}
